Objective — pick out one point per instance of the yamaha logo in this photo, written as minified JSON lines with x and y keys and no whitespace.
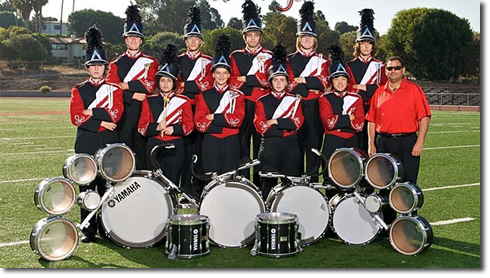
{"x":111,"y":203}
{"x":195,"y":241}
{"x":273,"y":239}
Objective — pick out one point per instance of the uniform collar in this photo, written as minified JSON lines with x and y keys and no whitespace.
{"x":137,"y":55}
{"x":169,"y":96}
{"x":193,"y":57}
{"x":305,"y":54}
{"x":369,"y":59}
{"x":253,"y":52}
{"x":277,"y":94}
{"x":341,"y":94}
{"x":96,"y":83}
{"x":225,"y":88}
{"x":387,"y":85}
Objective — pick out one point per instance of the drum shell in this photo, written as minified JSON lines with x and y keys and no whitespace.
{"x":191,"y":238}
{"x":395,"y":162}
{"x":205,"y":210}
{"x":99,"y":157}
{"x":360,"y":160}
{"x":83,"y":198}
{"x":279,"y":239}
{"x":380,"y":200}
{"x":40,"y":191}
{"x":72,"y":159}
{"x":39,"y":227}
{"x":416,"y":192}
{"x":422,"y":224}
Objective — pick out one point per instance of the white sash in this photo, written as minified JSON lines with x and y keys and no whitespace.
{"x":227,"y":103}
{"x":173,"y":105}
{"x":372,"y":73}
{"x":137,"y":68}
{"x":199,"y":69}
{"x":283,"y":107}
{"x":258,"y":63}
{"x":313,"y":65}
{"x":348,"y":102}
{"x":103,"y":97}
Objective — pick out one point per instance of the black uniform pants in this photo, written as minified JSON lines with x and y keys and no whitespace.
{"x":248,"y":132}
{"x":279,"y":155}
{"x":220,"y":155}
{"x":310,"y":136}
{"x":170,"y":160}
{"x":127,"y":128}
{"x":97,"y":185}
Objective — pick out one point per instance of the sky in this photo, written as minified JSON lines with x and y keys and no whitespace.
{"x":334,"y":10}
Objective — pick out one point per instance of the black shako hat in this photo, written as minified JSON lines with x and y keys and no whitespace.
{"x":193,"y":26}
{"x":222,"y":51}
{"x":338,"y":67}
{"x":251,"y":20}
{"x":95,"y":53}
{"x":133,"y":25}
{"x":307,"y":25}
{"x":279,"y":63}
{"x":169,"y":66}
{"x":366,"y":27}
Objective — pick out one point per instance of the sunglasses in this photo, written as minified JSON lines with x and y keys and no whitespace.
{"x":394,"y":68}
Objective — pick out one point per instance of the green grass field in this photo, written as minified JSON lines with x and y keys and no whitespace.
{"x":36,"y":136}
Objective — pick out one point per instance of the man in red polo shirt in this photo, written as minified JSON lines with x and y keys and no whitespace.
{"x":399,"y":110}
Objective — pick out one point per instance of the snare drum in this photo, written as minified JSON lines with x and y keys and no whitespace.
{"x":188,"y":236}
{"x":137,"y":213}
{"x":352,"y":223}
{"x":346,"y":167}
{"x":115,"y":162}
{"x":231,"y":207}
{"x":277,"y":234}
{"x":309,"y":204}
{"x":80,"y":168}
{"x":383,"y":170}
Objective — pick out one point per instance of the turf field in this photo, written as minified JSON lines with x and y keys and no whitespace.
{"x":36,"y":136}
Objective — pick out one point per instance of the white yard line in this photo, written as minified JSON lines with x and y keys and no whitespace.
{"x":14,"y":181}
{"x":460,"y":131}
{"x":451,"y":187}
{"x":47,"y":152}
{"x":452,"y":221}
{"x":35,"y":138}
{"x":13,"y":243}
{"x":452,"y":147}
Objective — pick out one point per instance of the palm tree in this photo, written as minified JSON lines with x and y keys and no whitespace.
{"x":38,"y":9}
{"x":25,"y":8}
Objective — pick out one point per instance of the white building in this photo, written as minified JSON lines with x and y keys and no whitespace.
{"x":53,"y":28}
{"x":68,"y":49}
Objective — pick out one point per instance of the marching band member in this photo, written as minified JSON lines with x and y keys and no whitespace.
{"x":96,"y":106}
{"x":310,"y":78}
{"x":367,"y":73}
{"x":135,"y":73}
{"x":246,"y":64}
{"x":278,"y":117}
{"x":166,"y":117}
{"x":195,"y":77}
{"x":219,"y":115}
{"x":341,"y":111}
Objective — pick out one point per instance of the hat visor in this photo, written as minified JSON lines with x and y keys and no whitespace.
{"x":133,"y":34}
{"x":166,"y":74}
{"x":365,"y":38}
{"x":193,"y":34}
{"x":252,"y":28}
{"x":96,"y":62}
{"x":300,"y":34}
{"x":221,"y":65}
{"x":339,"y":73}
{"x":276,"y":74}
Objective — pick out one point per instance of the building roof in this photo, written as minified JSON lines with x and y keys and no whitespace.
{"x":64,"y":40}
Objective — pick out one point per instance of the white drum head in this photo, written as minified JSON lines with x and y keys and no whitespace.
{"x":137,"y":213}
{"x":311,"y":208}
{"x":353,"y":223}
{"x":232,"y":208}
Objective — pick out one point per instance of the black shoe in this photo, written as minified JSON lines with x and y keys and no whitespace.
{"x":88,"y":238}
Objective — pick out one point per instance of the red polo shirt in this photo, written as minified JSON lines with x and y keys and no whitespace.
{"x":399,"y":111}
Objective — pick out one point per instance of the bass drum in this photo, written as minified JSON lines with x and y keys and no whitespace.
{"x":232,"y":207}
{"x":309,"y":204}
{"x":352,"y":222}
{"x":137,"y":213}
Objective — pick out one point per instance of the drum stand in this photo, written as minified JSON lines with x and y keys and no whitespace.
{"x":167,"y":182}
{"x":86,"y":222}
{"x":376,"y":217}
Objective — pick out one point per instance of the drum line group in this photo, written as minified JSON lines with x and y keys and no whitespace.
{"x":139,"y":208}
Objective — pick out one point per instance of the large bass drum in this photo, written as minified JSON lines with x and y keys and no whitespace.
{"x":231,"y":207}
{"x":309,"y":204}
{"x":137,"y":213}
{"x":352,"y":222}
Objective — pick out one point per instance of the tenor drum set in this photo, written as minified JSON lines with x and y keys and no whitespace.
{"x":139,"y":209}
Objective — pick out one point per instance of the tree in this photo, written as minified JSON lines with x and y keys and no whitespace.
{"x":343,"y":27}
{"x":279,"y":28}
{"x":110,"y":25}
{"x":432,"y":42}
{"x":211,"y":38}
{"x":211,"y":19}
{"x":18,"y":45}
{"x":38,"y":9}
{"x":25,"y":7}
{"x":154,"y":45}
{"x":235,"y":23}
{"x":347,"y":41}
{"x":7,"y":19}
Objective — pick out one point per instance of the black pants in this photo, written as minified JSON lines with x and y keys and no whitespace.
{"x":220,"y":155}
{"x":170,"y":160}
{"x":310,"y":135}
{"x":330,"y":144}
{"x":247,"y":132}
{"x":279,"y":155}
{"x":97,"y":185}
{"x":127,"y":128}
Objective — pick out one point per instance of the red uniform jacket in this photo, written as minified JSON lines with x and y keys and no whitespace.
{"x":195,"y":72}
{"x":314,"y":67}
{"x":335,"y":110}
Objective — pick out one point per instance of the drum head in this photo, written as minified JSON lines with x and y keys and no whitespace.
{"x":346,"y":167}
{"x":231,"y":208}
{"x":410,"y":235}
{"x":137,"y":213}
{"x":54,"y":239}
{"x":353,"y":223}
{"x":55,"y":196}
{"x":80,"y":168}
{"x":403,"y":198}
{"x":311,"y":208}
{"x":382,"y":171}
{"x":116,"y":162}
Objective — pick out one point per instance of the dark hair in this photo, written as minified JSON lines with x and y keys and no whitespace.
{"x":396,"y":58}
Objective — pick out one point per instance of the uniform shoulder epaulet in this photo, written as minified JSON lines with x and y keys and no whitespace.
{"x":113,"y":84}
{"x":236,"y":91}
{"x":327,"y":93}
{"x":352,"y":94}
{"x":238,"y":51}
{"x":181,"y":54}
{"x":81,"y":84}
{"x":207,"y":57}
{"x":148,"y":56}
{"x":263,"y":96}
{"x":351,"y":61}
{"x":182,"y":97}
{"x":292,"y":54}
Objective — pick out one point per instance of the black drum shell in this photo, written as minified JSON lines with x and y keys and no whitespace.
{"x":277,"y":239}
{"x":360,"y":158}
{"x":425,"y":228}
{"x":192,"y":240}
{"x":416,"y":193}
{"x":398,"y":169}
